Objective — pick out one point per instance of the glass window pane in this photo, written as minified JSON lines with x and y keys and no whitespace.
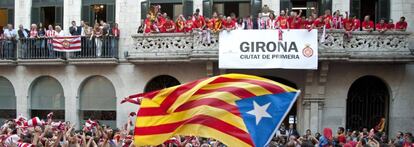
{"x":97,"y":93}
{"x":7,"y":95}
{"x":47,"y":94}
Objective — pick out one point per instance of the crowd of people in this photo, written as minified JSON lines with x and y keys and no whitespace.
{"x":21,"y":132}
{"x":39,"y":36}
{"x":157,"y":21}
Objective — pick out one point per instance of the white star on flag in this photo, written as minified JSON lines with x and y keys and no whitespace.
{"x":260,"y":111}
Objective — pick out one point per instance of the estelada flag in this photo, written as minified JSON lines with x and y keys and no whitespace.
{"x":237,"y":110}
{"x":67,"y":44}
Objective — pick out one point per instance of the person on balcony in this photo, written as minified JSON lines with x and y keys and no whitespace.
{"x":282,"y":20}
{"x":381,"y":26}
{"x":180,"y":24}
{"x":148,"y":25}
{"x":9,"y":35}
{"x":271,"y":22}
{"x":23,"y":34}
{"x":97,"y":33}
{"x":229,"y":24}
{"x":327,"y":19}
{"x":189,"y":25}
{"x":249,"y":23}
{"x":199,"y":22}
{"x":337,"y":20}
{"x":87,"y":32}
{"x":294,"y":20}
{"x":115,"y":32}
{"x":50,"y":34}
{"x":356,"y":23}
{"x":367,"y":24}
{"x":41,"y":32}
{"x":318,"y":23}
{"x":348,"y":24}
{"x":75,"y":30}
{"x":218,"y":22}
{"x":401,"y":25}
{"x":240,"y":25}
{"x":169,"y":25}
{"x":390,"y":25}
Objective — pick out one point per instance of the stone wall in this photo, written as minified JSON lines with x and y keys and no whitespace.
{"x":127,"y":79}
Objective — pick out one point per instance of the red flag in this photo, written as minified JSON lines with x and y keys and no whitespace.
{"x":67,"y":44}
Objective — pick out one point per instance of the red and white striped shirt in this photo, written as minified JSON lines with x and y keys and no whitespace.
{"x":50,"y":34}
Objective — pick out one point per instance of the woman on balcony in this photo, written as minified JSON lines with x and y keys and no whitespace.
{"x":97,"y":33}
{"x":180,"y":24}
{"x":50,"y":33}
{"x":41,"y":32}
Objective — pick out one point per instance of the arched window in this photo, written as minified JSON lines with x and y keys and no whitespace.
{"x":98,"y":101}
{"x":367,"y":103}
{"x":8,"y":100}
{"x":46,"y":95}
{"x":161,"y":82}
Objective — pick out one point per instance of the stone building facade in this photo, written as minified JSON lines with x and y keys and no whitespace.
{"x":327,"y":97}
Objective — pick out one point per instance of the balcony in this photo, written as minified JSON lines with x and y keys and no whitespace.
{"x":361,"y":47}
{"x":7,"y":52}
{"x":40,"y":52}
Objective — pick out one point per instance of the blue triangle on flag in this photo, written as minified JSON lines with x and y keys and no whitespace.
{"x":262,"y":115}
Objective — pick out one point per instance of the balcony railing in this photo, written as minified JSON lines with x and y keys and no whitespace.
{"x":7,"y":50}
{"x":42,"y":48}
{"x":362,"y":46}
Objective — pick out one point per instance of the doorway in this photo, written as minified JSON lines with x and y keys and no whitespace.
{"x":377,"y":9}
{"x":240,"y":9}
{"x":48,"y":14}
{"x":3,"y":18}
{"x":367,"y":103}
{"x":93,"y":13}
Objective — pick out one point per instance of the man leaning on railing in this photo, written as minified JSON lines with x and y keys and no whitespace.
{"x":9,"y":43}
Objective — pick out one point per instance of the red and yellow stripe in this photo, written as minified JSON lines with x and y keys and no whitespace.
{"x":203,"y":108}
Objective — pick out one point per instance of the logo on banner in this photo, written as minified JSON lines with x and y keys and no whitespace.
{"x":66,"y":44}
{"x":307,"y":51}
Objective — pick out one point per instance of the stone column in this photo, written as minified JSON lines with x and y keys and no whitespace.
{"x":22,"y":98}
{"x":71,"y":12}
{"x":71,"y":96}
{"x":128,"y":16}
{"x":198,"y":4}
{"x":313,"y":100}
{"x":22,"y":13}
{"x":273,"y":5}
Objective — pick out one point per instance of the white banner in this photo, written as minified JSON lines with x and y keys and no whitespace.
{"x":262,"y":49}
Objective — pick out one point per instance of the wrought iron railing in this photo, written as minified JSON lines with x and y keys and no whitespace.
{"x":7,"y":49}
{"x":42,"y":48}
{"x":38,"y":48}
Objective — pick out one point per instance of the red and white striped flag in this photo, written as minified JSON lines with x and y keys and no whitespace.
{"x":89,"y":124}
{"x":34,"y":122}
{"x":133,"y":100}
{"x":22,"y":144}
{"x":67,"y":44}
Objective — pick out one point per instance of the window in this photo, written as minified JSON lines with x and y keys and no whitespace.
{"x":8,"y":100}
{"x":48,"y":12}
{"x":307,"y":6}
{"x":161,"y":82}
{"x":97,"y":10}
{"x":240,"y":8}
{"x":98,"y":101}
{"x":46,"y":95}
{"x":6,"y":12}
{"x":173,"y":8}
{"x":377,"y":9}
